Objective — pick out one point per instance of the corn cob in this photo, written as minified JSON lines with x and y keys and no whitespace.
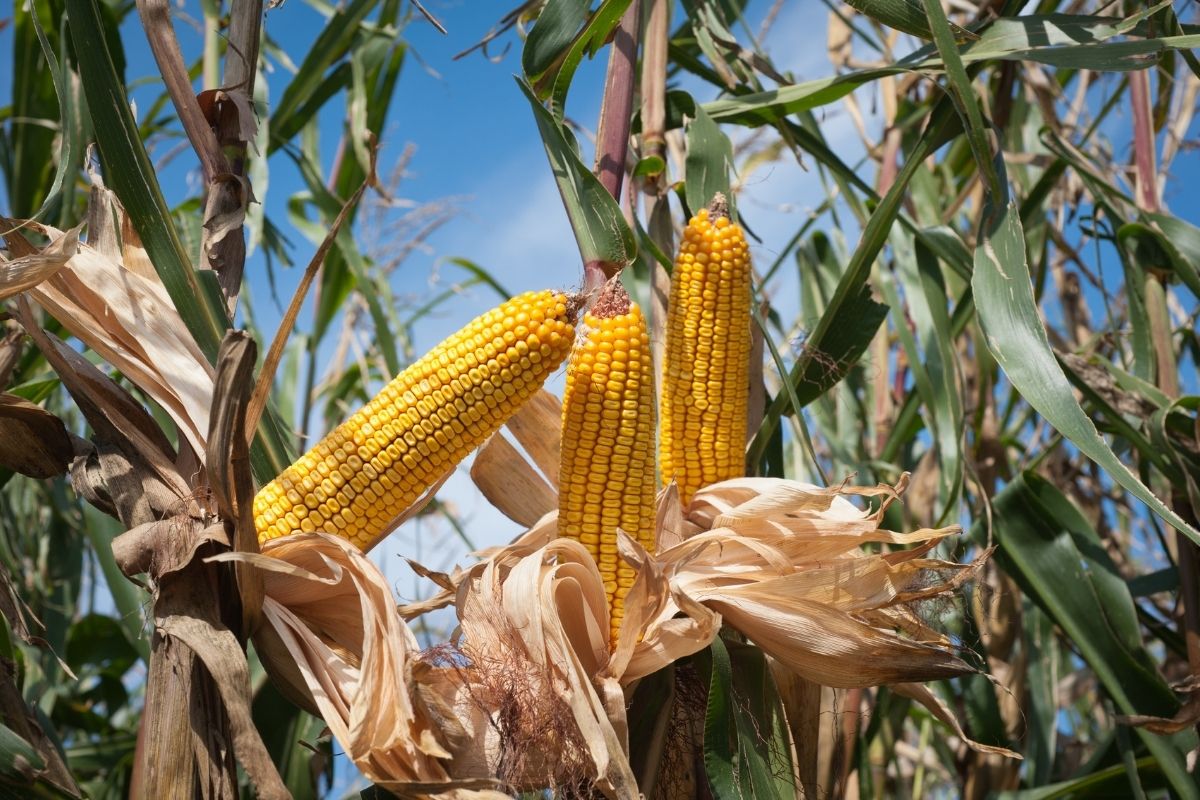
{"x":606,"y":476}
{"x":357,"y":480}
{"x":706,"y":385}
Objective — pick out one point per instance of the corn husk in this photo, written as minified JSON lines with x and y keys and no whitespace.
{"x":531,"y":694}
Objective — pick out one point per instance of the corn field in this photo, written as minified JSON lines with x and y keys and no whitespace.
{"x":890,"y":493}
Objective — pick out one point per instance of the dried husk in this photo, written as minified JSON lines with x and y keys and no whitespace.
{"x":128,"y":318}
{"x":531,"y":694}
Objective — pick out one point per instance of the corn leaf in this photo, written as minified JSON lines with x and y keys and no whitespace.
{"x":563,"y":34}
{"x":1059,"y":561}
{"x":1017,"y":338}
{"x":709,"y":162}
{"x":1073,"y":42}
{"x":128,"y":172}
{"x":904,"y":15}
{"x":599,"y":226}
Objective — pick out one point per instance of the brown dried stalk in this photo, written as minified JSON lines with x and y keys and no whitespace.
{"x":218,"y":129}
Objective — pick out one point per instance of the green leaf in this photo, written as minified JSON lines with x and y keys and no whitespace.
{"x":563,"y":45}
{"x":933,"y":365}
{"x":99,"y":641}
{"x":129,"y":173}
{"x":29,"y":146}
{"x":959,"y":88}
{"x":68,"y":106}
{"x":1059,"y":561}
{"x":599,"y":226}
{"x":18,"y":760}
{"x":482,"y":276}
{"x":837,"y":348}
{"x":837,"y":327}
{"x":1139,"y":255}
{"x":310,"y":82}
{"x":649,"y":166}
{"x":1108,"y":782}
{"x":293,"y":738}
{"x":556,"y":26}
{"x":745,"y":737}
{"x":719,"y":725}
{"x":284,"y":126}
{"x":709,"y":161}
{"x":1044,"y":673}
{"x":1074,"y":42}
{"x":1015,"y":335}
{"x":1181,"y":243}
{"x":904,"y":15}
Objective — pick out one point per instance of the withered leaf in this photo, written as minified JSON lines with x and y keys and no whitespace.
{"x":25,"y":272}
{"x":33,"y":441}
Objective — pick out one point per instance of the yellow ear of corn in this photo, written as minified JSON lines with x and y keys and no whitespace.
{"x":360,"y":477}
{"x":606,"y":477}
{"x":706,"y":385}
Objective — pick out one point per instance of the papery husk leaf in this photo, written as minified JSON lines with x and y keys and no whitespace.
{"x":939,"y":709}
{"x":555,"y":625}
{"x":510,"y":484}
{"x":131,"y":472}
{"x":24,"y":272}
{"x":130,"y":320}
{"x":537,"y":427}
{"x":333,"y":612}
{"x":523,"y":489}
{"x":829,"y":647}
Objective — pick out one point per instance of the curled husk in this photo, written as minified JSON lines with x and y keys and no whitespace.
{"x":531,"y":672}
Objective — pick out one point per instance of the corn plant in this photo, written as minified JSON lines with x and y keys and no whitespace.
{"x":993,"y":313}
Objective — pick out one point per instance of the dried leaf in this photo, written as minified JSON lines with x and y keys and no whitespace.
{"x":1186,"y":717}
{"x":33,"y":441}
{"x":332,"y":611}
{"x":217,"y":647}
{"x":25,"y":272}
{"x":163,"y":546}
{"x":229,"y":462}
{"x":510,"y":483}
{"x":939,"y":709}
{"x":131,"y":322}
{"x":537,"y":427}
{"x":216,"y":103}
{"x":116,"y":417}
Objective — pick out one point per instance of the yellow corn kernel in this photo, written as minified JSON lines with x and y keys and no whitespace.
{"x":606,"y":476}
{"x":377,"y":463}
{"x":706,"y":383}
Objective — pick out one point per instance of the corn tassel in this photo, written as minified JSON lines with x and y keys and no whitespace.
{"x":360,"y":478}
{"x":706,"y":385}
{"x":606,"y":477}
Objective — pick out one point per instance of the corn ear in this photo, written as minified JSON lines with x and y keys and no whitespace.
{"x":606,"y":477}
{"x":706,"y":365}
{"x":358,"y":480}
